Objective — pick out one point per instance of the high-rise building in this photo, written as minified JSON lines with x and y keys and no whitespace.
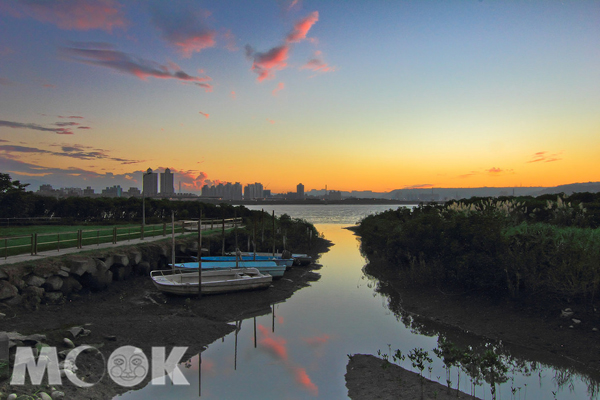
{"x":150,"y":183}
{"x":166,"y":182}
{"x":300,"y":191}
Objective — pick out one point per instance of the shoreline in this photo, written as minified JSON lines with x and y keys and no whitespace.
{"x":134,"y":313}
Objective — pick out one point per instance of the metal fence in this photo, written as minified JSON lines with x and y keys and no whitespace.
{"x":38,"y":242}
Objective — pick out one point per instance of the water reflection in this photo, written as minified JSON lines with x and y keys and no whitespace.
{"x":486,"y":366}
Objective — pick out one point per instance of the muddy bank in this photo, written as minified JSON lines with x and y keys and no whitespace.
{"x":369,"y":378}
{"x":535,"y":329}
{"x":132,"y":312}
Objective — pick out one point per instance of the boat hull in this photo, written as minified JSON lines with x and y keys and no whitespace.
{"x":265,"y":267}
{"x":213,"y":282}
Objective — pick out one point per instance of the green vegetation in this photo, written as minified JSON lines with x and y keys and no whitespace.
{"x":506,"y":246}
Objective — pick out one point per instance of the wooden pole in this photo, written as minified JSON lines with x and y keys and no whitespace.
{"x":273,"y":233}
{"x":200,"y":255}
{"x":223,"y":234}
{"x":254,"y":238}
{"x":172,"y":240}
{"x":262,"y":222}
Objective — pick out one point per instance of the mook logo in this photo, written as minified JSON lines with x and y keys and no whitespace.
{"x":127,"y":366}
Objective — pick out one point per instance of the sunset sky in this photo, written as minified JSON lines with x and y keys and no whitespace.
{"x":363,"y":95}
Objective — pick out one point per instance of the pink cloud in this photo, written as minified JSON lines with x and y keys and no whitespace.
{"x":494,"y":170}
{"x":543,"y":156}
{"x":71,"y":117}
{"x":274,"y":345}
{"x":125,"y":63}
{"x":270,"y":121}
{"x":205,"y":114}
{"x":265,"y":64}
{"x":279,"y":87}
{"x":302,"y":27}
{"x":233,"y":96}
{"x":304,"y":380}
{"x":83,"y":127}
{"x":66,"y":123}
{"x":48,"y":85}
{"x":468,"y":175}
{"x":73,"y":14}
{"x":184,"y":27}
{"x":317,"y":65}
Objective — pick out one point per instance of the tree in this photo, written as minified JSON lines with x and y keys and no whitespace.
{"x":8,"y":186}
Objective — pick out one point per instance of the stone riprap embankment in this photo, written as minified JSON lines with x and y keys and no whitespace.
{"x":53,"y":280}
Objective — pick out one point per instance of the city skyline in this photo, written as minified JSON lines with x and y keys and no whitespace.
{"x":354,"y":95}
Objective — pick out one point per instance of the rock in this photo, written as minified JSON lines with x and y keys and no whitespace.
{"x":44,"y":396}
{"x":53,"y":297}
{"x":79,"y":266}
{"x":34,"y":290}
{"x":120,"y":259}
{"x":62,"y":273}
{"x":566,"y":313}
{"x":108,"y":261}
{"x":2,"y":315}
{"x":64,"y":268}
{"x":101,"y":266}
{"x":79,"y":331}
{"x":135,"y":257}
{"x":576,"y":321}
{"x":7,"y":290}
{"x":12,"y":396}
{"x":69,"y":343}
{"x":571,"y":326}
{"x":143,"y":268}
{"x":53,"y":283}
{"x":111,"y":338}
{"x":120,"y":273}
{"x":594,"y":329}
{"x":70,"y":285}
{"x":57,"y":395}
{"x":3,"y":275}
{"x":14,"y":301}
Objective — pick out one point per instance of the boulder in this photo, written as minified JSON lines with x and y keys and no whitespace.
{"x":53,"y":283}
{"x":143,"y":268}
{"x":120,"y":259}
{"x":34,"y":290}
{"x":101,"y":266}
{"x":120,"y":273}
{"x":135,"y":257}
{"x":53,"y":297}
{"x":34,"y":280}
{"x":70,"y":285}
{"x":7,"y":290}
{"x":3,"y":275}
{"x":98,"y":281}
{"x":62,"y":273}
{"x":108,"y":260}
{"x":14,"y":301}
{"x":79,"y":266}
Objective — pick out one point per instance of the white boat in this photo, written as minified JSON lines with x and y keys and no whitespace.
{"x":215,"y":281}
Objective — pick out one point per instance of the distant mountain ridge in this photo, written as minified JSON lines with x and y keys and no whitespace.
{"x":462,"y":193}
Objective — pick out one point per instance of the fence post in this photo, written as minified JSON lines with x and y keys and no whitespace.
{"x":142,"y":232}
{"x":98,"y":238}
{"x":182,"y":227}
{"x":80,"y":239}
{"x":115,"y":235}
{"x":5,"y":249}
{"x":58,"y":242}
{"x":164,"y":229}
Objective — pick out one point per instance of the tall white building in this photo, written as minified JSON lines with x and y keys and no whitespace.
{"x":167,"y":182}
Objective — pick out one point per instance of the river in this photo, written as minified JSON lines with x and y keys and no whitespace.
{"x":300,"y":348}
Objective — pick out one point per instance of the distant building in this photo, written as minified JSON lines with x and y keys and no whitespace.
{"x":114,"y":191}
{"x":88,"y":192}
{"x":166,"y":182}
{"x":253,"y":191}
{"x":300,"y":191}
{"x":133,"y":192}
{"x":335,"y":195}
{"x":150,"y":183}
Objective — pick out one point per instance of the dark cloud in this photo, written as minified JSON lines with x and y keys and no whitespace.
{"x":75,"y":151}
{"x":128,"y":64}
{"x":35,"y":127}
{"x":183,"y":27}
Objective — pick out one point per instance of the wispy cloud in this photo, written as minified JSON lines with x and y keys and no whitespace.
{"x":66,"y":123}
{"x":73,"y":151}
{"x":316,"y":64}
{"x":468,"y":175}
{"x":183,"y":26}
{"x":267,"y":63}
{"x":302,"y":27}
{"x":271,"y":121}
{"x":304,"y":380}
{"x":205,"y":114}
{"x":116,"y":60}
{"x":420,"y":186}
{"x":544,"y":156}
{"x":233,"y":95}
{"x":71,"y":117}
{"x":72,"y":14}
{"x":275,"y":345}
{"x":35,"y":127}
{"x":279,"y":87}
